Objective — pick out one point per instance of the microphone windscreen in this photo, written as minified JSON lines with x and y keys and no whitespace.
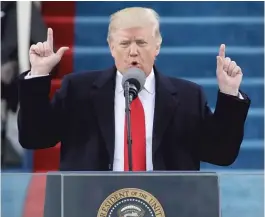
{"x":134,"y":76}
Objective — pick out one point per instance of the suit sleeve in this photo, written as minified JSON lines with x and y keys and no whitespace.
{"x":41,"y":121}
{"x":221,"y":133}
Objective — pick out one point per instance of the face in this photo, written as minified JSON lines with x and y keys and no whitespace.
{"x":134,"y":47}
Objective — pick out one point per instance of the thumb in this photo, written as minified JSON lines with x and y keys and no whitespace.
{"x":220,"y":65}
{"x":61,"y":51}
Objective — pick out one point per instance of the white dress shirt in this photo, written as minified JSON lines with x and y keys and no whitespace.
{"x":147,"y":97}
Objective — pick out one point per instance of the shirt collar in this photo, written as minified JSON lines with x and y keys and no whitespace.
{"x":149,"y":85}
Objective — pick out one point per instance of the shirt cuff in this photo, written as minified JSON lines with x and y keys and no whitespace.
{"x":29,"y":76}
{"x":240,"y":96}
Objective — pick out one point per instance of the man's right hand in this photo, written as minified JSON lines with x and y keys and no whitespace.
{"x":42,"y":56}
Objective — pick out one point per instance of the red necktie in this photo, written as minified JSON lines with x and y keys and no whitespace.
{"x":138,"y":138}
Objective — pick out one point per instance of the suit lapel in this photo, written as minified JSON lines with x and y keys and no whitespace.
{"x":166,"y":103}
{"x":103,"y":98}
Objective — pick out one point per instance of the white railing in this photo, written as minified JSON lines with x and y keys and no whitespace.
{"x":23,"y":31}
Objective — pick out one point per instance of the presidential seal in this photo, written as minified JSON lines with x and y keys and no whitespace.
{"x":131,"y":202}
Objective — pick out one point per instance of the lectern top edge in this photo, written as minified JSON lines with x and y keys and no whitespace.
{"x":151,"y":174}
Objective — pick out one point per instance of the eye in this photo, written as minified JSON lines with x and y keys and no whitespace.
{"x":125,"y":43}
{"x":141,"y":42}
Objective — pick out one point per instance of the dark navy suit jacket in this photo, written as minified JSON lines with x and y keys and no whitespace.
{"x":81,"y":116}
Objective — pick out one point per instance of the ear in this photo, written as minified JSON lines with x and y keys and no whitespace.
{"x":157,"y":50}
{"x":111,"y":47}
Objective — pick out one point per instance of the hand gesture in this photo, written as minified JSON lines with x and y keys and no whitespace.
{"x":42,"y":57}
{"x":229,"y":74}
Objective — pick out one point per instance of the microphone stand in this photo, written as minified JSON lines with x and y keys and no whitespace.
{"x":128,"y":100}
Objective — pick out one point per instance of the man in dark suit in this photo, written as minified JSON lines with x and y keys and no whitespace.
{"x":172,"y":125}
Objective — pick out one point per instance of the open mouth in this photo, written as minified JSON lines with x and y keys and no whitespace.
{"x":134,"y":63}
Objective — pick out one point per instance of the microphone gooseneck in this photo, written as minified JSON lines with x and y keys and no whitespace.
{"x":132,"y":82}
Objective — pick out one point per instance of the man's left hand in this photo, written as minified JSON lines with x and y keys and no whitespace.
{"x":229,"y":74}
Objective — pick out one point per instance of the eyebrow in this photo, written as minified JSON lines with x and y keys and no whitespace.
{"x":136,"y":39}
{"x":140,"y":39}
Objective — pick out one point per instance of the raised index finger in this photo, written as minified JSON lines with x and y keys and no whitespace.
{"x":222,"y":51}
{"x":50,"y":37}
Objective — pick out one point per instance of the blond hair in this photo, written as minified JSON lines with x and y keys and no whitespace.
{"x":135,"y":17}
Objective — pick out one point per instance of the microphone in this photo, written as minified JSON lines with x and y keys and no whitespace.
{"x":133,"y":81}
